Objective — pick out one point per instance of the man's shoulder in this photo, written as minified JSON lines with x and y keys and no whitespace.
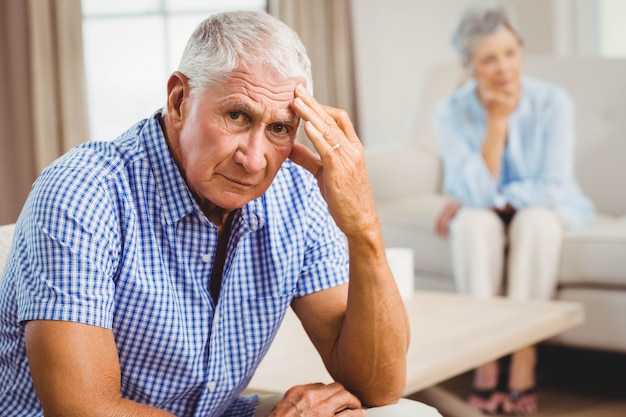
{"x":90,"y":173}
{"x":103,"y":159}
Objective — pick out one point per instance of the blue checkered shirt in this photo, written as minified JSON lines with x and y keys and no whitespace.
{"x":111,"y":236}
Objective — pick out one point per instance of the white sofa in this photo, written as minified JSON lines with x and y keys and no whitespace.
{"x":406,"y":180}
{"x":6,"y":235}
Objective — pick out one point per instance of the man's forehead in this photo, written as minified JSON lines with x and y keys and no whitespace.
{"x":264,"y":81}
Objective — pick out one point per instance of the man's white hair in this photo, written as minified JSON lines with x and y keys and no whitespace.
{"x":239,"y":39}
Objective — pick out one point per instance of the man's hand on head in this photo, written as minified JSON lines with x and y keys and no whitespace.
{"x":340,"y":166}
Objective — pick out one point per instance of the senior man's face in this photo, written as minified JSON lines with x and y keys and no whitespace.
{"x":496,"y":62}
{"x":231,"y":139}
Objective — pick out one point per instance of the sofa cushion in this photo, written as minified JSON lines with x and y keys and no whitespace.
{"x":596,"y":254}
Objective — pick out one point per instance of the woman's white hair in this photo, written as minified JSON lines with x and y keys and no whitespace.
{"x":238,"y":39}
{"x":479,"y":20}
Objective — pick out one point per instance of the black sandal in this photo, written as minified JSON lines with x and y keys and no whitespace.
{"x":485,"y":395}
{"x":515,"y":396}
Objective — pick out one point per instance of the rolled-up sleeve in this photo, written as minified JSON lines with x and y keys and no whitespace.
{"x":552,"y":156}
{"x":466,"y":175}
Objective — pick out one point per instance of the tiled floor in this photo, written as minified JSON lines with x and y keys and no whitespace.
{"x":572,"y":383}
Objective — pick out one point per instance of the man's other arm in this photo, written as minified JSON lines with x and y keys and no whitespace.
{"x":76,"y":371}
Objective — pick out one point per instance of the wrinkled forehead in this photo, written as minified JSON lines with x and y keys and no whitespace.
{"x":262,"y":83}
{"x":260,"y":79}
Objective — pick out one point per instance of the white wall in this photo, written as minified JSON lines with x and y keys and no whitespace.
{"x":398,"y":41}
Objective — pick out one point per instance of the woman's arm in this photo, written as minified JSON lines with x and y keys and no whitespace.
{"x":553,"y":170}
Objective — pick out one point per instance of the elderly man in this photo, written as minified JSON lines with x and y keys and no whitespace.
{"x":150,"y":274}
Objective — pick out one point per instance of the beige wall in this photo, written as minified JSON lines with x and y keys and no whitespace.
{"x":398,"y":41}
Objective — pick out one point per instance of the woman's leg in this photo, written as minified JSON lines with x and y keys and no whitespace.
{"x":478,"y":239}
{"x":522,"y":398}
{"x":535,"y":237}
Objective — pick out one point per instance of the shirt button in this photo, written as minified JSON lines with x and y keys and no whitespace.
{"x":212,"y":386}
{"x":206,"y":257}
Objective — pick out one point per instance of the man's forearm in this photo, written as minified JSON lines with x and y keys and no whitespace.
{"x":375,"y":335}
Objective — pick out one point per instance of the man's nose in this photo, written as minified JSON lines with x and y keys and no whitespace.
{"x":251,"y":152}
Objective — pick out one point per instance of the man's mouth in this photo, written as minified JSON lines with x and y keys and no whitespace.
{"x":241,"y":183}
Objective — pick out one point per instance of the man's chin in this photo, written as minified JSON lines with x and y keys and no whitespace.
{"x":229,"y":200}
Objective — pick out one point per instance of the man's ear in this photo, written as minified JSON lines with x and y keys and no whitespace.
{"x":177,"y":92}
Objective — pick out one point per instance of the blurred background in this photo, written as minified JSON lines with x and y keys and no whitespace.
{"x":73,"y":70}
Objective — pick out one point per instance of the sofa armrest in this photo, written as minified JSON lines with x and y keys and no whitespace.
{"x":6,"y":236}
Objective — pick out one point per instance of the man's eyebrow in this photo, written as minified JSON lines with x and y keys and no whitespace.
{"x":287,"y":119}
{"x":243,"y":106}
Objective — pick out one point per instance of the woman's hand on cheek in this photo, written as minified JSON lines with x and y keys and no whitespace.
{"x":498,"y":103}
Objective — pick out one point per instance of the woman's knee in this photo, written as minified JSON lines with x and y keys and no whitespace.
{"x":539,"y":222}
{"x":474,"y":221}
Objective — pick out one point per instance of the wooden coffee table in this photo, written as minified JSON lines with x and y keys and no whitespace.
{"x":450,"y":334}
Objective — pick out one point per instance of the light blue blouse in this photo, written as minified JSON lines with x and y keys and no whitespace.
{"x":538,"y":161}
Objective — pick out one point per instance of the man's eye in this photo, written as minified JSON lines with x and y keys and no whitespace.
{"x":280,"y":129}
{"x":235,"y":115}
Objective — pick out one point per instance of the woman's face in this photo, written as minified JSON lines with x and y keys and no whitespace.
{"x":496,"y":62}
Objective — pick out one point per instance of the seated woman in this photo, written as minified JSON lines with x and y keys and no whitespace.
{"x":507,"y":143}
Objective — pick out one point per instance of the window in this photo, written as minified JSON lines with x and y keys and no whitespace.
{"x":130,"y":49}
{"x":611,"y":28}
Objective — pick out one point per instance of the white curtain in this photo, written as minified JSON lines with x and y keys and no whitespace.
{"x":42,"y":92}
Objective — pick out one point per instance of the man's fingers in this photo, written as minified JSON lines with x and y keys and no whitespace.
{"x":323,"y":133}
{"x":318,"y":400}
{"x":342,"y":119}
{"x":326,"y":127}
{"x":341,"y":399}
